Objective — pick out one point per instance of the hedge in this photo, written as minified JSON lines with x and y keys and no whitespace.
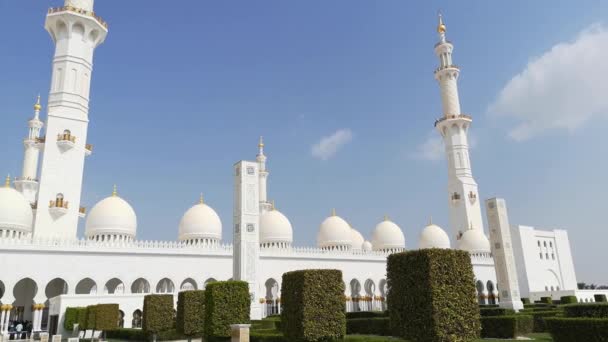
{"x":593,"y":310}
{"x":525,"y":301}
{"x":539,"y":319}
{"x":106,"y":316}
{"x":600,"y":298}
{"x":366,"y":314}
{"x":546,"y":300}
{"x":432,"y":295}
{"x":70,"y":318}
{"x":506,"y":326}
{"x":226,"y":303}
{"x":568,"y":300}
{"x":313,"y":305}
{"x":578,"y":329}
{"x":158,"y":313}
{"x":127,"y":334}
{"x":82,"y":318}
{"x":190,"y":319}
{"x":90,"y":322}
{"x":487,"y":312}
{"x":369,"y":326}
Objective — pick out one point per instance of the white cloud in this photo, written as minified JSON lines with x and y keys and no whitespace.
{"x":560,"y":90}
{"x":431,"y":149}
{"x":328,"y":146}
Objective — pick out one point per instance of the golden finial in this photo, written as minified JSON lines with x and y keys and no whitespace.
{"x":430,"y":220}
{"x":386,"y":218}
{"x":115,"y":191}
{"x":441,"y":27}
{"x":273,"y":207}
{"x":37,"y":106}
{"x":7,"y":182}
{"x":261,"y":143}
{"x":333,"y":212}
{"x":201,"y":200}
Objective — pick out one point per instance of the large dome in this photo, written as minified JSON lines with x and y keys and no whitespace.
{"x":15,"y":211}
{"x":357,"y":239}
{"x":111,"y":218}
{"x":433,"y":236}
{"x":367,"y":246}
{"x":474,"y":240}
{"x":275,"y":228}
{"x":334,"y":232}
{"x":199,"y":223}
{"x":387,"y":236}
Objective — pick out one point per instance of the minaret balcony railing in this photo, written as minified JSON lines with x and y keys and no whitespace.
{"x":451,"y":66}
{"x":82,"y":211}
{"x":59,"y":203}
{"x":452,"y":117}
{"x":41,"y":140}
{"x":26,"y":179}
{"x":78,"y":11}
{"x":446,"y":41}
{"x":66,"y":137}
{"x":88,"y":149}
{"x":58,"y":207}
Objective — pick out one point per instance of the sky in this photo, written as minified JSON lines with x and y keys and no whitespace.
{"x":344,"y":95}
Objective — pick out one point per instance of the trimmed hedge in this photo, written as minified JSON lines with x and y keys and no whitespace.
{"x":369,"y":326}
{"x":226,"y":303}
{"x":190,"y":319}
{"x":82,"y":318}
{"x":366,"y":314}
{"x":539,"y":319}
{"x":546,"y":300}
{"x":525,"y":301}
{"x":600,"y":298}
{"x":90,"y":322}
{"x":432,"y":295}
{"x":578,"y":329}
{"x":313,"y":305}
{"x":127,"y":334}
{"x":70,"y":318}
{"x":568,"y":300}
{"x":487,"y":312}
{"x":506,"y":326}
{"x":158,"y":313}
{"x":106,"y":316}
{"x":593,"y":310}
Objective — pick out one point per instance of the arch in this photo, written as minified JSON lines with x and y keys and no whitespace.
{"x":55,"y":288}
{"x":114,"y":286}
{"x":188,"y":285}
{"x":24,"y":292}
{"x":93,"y":35}
{"x":61,"y":29}
{"x":78,"y":29}
{"x":86,"y":286}
{"x":165,"y":285}
{"x":480,"y":292}
{"x":208,"y":281}
{"x":140,"y":285}
{"x":355,"y":294}
{"x":491,"y":297}
{"x":137,"y":318}
{"x":272,"y":296}
{"x":121,"y":319}
{"x":2,"y":289}
{"x":370,"y":290}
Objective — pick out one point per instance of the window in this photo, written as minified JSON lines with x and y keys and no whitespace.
{"x":547,"y":256}
{"x":541,"y":255}
{"x":545,"y":243}
{"x":550,"y":244}
{"x":546,"y":288}
{"x":538,"y":243}
{"x":553,"y":256}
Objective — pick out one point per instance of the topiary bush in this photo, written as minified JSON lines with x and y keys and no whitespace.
{"x":106,"y":317}
{"x":369,"y":326}
{"x":596,"y":310}
{"x":82,"y":318}
{"x":600,"y":298}
{"x":568,"y":300}
{"x":190,"y":319}
{"x":70,"y":318}
{"x":226,"y":303}
{"x":539,"y":319}
{"x":432,"y":296}
{"x":313,"y":305}
{"x":486,"y":312}
{"x":158,"y":313}
{"x":127,"y":334}
{"x":546,"y":300}
{"x":506,"y":326}
{"x":525,"y":301}
{"x":578,"y":329}
{"x":366,"y":314}
{"x":90,"y":322}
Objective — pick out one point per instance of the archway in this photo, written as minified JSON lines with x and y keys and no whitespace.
{"x":86,"y":286}
{"x":165,"y":285}
{"x":24,"y":291}
{"x":121,"y":319}
{"x":490,"y":288}
{"x":188,"y":285}
{"x":370,"y":290}
{"x":2,"y":289}
{"x":355,"y":294}
{"x":137,"y":318}
{"x":140,"y":285}
{"x":114,"y":286}
{"x":383,"y":287}
{"x":272,"y":297}
{"x":208,"y":281}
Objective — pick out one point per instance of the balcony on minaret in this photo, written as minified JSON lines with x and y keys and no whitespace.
{"x":82,"y":212}
{"x":450,"y":66}
{"x":454,"y":117}
{"x":66,"y":140}
{"x":59,"y":206}
{"x":78,"y":11}
{"x":88,"y":149}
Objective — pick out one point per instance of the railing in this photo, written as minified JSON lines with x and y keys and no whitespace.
{"x":449,"y":117}
{"x":41,"y":140}
{"x":88,"y":147}
{"x":34,"y":205}
{"x":66,"y":137}
{"x":31,"y":179}
{"x":79,"y":11}
{"x":58,"y":204}
{"x":82,"y":210}
{"x":451,"y":66}
{"x":446,"y":41}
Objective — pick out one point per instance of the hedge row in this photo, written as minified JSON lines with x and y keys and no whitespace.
{"x":600,"y":298}
{"x":226,"y":303}
{"x":90,"y":322}
{"x":369,"y":326}
{"x":506,"y":326}
{"x":131,"y":334}
{"x":158,"y":313}
{"x":525,"y":301}
{"x":70,"y":318}
{"x":540,"y":324}
{"x":546,"y":300}
{"x":487,"y":312}
{"x":578,"y":329}
{"x":568,"y":300}
{"x":366,"y":314}
{"x":106,"y":316}
{"x":190,"y":319}
{"x":595,"y":310}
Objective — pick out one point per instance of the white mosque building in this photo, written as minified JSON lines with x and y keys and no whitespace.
{"x":46,"y":266}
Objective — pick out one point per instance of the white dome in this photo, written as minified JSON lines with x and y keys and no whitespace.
{"x":275,"y":227}
{"x":112,"y":216}
{"x":433,"y":236}
{"x":200,"y":222}
{"x":367,"y":246}
{"x":474,"y":240}
{"x":357,"y":239}
{"x":387,"y":236}
{"x":334,"y":231}
{"x":15,"y":211}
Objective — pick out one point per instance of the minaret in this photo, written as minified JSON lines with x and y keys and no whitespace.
{"x":27,"y":184}
{"x":261,"y":159}
{"x":76,"y":31}
{"x":465,"y":210}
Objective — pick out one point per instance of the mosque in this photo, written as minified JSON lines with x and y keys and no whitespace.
{"x":47,"y":267}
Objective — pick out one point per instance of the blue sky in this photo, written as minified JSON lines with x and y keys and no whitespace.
{"x":181,"y":92}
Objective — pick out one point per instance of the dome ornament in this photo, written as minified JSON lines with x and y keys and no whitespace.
{"x":386,"y":218}
{"x":261,"y":143}
{"x":38,"y":106}
{"x":201,"y":200}
{"x":7,"y":181}
{"x":441,"y":28}
{"x":115,"y":191}
{"x":333,"y":212}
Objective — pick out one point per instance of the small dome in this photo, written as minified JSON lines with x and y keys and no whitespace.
{"x":387,"y":236}
{"x":433,"y":236}
{"x":112,"y":217}
{"x":474,"y":240}
{"x":334,"y":232}
{"x":275,"y":228}
{"x":200,"y":222}
{"x":15,"y":211}
{"x":357,"y":239}
{"x":367,"y":246}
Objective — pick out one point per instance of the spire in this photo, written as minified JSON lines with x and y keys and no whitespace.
{"x":386,"y":218}
{"x":261,"y":146}
{"x":201,"y":200}
{"x":7,"y":182}
{"x":441,"y":28}
{"x":430,"y":220}
{"x":115,"y":191}
{"x":333,"y":212}
{"x":37,"y":106}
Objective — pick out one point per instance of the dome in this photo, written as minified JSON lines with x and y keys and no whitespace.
{"x":275,"y":228}
{"x":15,"y":211}
{"x":433,"y":236}
{"x":367,"y":246}
{"x":387,"y":236}
{"x":334,"y":232}
{"x":200,"y":222}
{"x":474,"y":240}
{"x":357,"y":239}
{"x":111,"y":217}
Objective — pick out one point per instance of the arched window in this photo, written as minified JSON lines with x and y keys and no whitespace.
{"x":137,"y":316}
{"x":121,"y":319}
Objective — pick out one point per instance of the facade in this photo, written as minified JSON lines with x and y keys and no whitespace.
{"x":38,"y":218}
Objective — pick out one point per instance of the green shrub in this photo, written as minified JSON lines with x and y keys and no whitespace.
{"x":264,"y":324}
{"x":270,"y":336}
{"x":600,"y":298}
{"x":106,"y":316}
{"x":170,"y":335}
{"x":539,"y":319}
{"x":369,"y":326}
{"x":486,"y":312}
{"x":190,"y":320}
{"x":432,"y":295}
{"x":91,"y":317}
{"x":366,"y":314}
{"x":506,"y":326}
{"x":158,"y":313}
{"x":481,"y":306}
{"x":313,"y":305}
{"x":226,"y":303}
{"x":127,"y":334}
{"x":525,"y":301}
{"x":587,"y":310}
{"x":70,"y":318}
{"x":568,"y":300}
{"x":578,"y":329}
{"x":546,"y":300}
{"x":82,"y":318}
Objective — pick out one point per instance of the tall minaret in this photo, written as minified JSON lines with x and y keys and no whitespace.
{"x":27,"y":184}
{"x":76,"y":31}
{"x":265,"y":205}
{"x":465,"y":211}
